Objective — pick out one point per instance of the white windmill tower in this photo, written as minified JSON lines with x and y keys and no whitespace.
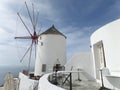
{"x":51,"y":48}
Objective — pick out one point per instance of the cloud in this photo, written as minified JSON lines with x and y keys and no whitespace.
{"x":8,"y":55}
{"x":78,"y":39}
{"x":8,"y":19}
{"x":6,"y":38}
{"x":76,"y":19}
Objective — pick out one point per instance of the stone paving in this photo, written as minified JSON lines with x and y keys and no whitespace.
{"x":82,"y":85}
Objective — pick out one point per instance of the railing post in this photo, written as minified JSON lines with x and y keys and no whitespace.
{"x":70,"y":81}
{"x":79,"y":75}
{"x":102,"y":87}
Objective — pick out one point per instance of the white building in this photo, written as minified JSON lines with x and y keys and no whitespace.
{"x":51,"y":49}
{"x":106,"y":49}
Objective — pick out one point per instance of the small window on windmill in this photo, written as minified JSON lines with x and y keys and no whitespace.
{"x":43,"y":67}
{"x":40,"y":38}
{"x":41,"y":43}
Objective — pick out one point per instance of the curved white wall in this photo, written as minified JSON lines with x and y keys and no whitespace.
{"x":82,"y":61}
{"x":26,"y":83}
{"x":110,"y":37}
{"x":44,"y":84}
{"x":53,"y":48}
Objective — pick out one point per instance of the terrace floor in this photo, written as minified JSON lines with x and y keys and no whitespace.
{"x":83,"y":85}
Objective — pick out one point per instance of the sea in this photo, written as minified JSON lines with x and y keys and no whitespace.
{"x":14,"y":70}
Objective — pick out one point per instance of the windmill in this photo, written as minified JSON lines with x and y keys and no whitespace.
{"x":32,"y":36}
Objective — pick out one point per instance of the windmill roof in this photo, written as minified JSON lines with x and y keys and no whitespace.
{"x":53,"y":30}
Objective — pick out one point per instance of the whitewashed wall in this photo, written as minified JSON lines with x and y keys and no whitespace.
{"x":83,"y":61}
{"x":53,"y":48}
{"x":26,"y":83}
{"x":44,"y":84}
{"x":110,"y":36}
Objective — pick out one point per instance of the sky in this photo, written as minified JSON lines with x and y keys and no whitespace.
{"x":77,"y":19}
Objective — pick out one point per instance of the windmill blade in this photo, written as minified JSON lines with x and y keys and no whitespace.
{"x":30,"y":57}
{"x":26,"y":52}
{"x":36,"y":21}
{"x":23,"y":37}
{"x":24,"y":24}
{"x":29,"y":15}
{"x":33,"y":14}
{"x":34,"y":27}
{"x":40,"y":29}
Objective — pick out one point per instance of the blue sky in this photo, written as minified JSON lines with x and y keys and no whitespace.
{"x":77,"y":19}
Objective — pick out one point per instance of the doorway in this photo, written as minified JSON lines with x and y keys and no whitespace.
{"x":99,"y":57}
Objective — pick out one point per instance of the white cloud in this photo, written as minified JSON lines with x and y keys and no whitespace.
{"x":10,"y":26}
{"x":78,"y":39}
{"x":8,"y":19}
{"x":48,"y":11}
{"x":8,"y":55}
{"x":4,"y":35}
{"x":77,"y":35}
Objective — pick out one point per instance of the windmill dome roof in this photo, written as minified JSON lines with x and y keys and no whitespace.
{"x":53,"y":30}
